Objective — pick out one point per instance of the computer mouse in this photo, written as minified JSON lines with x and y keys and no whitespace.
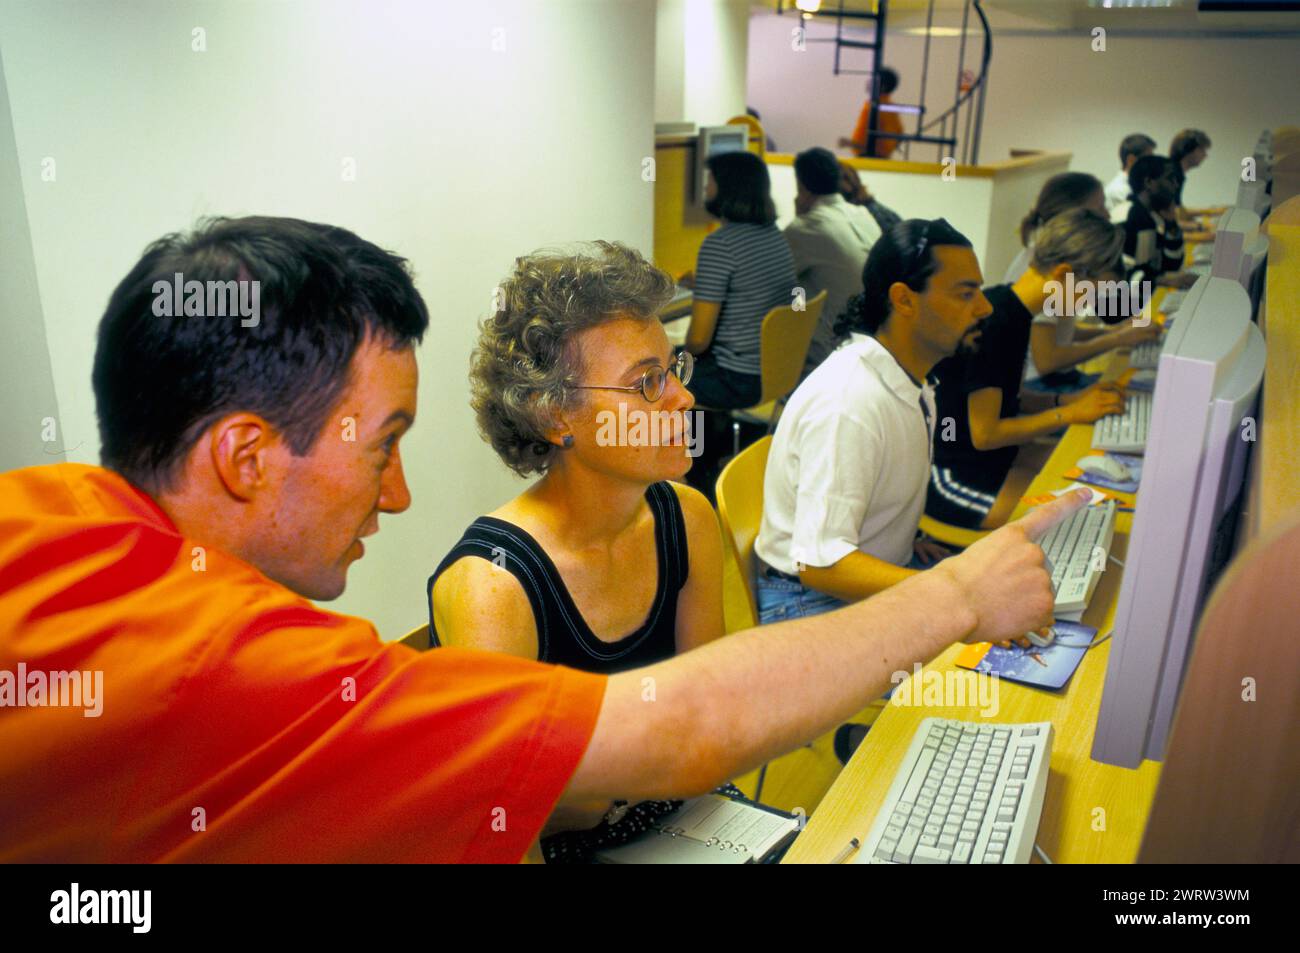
{"x":1106,"y":467}
{"x":1042,"y":641}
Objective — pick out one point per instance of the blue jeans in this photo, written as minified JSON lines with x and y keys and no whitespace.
{"x":781,"y":599}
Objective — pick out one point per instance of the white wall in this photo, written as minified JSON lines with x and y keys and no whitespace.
{"x":466,"y":156}
{"x":701,"y":54}
{"x":1049,"y":92}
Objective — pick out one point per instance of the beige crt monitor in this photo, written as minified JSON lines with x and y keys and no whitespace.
{"x":1237,"y":232}
{"x":1207,"y":383}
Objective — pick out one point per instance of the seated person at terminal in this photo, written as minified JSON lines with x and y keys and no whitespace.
{"x":983,"y":459}
{"x":1132,"y":148}
{"x":607,"y":565}
{"x":849,"y":464}
{"x":1055,"y":343}
{"x":742,"y":272}
{"x":1060,"y":193}
{"x":240,"y":722}
{"x":1153,"y":211}
{"x":1189,"y":148}
{"x":830,"y":239}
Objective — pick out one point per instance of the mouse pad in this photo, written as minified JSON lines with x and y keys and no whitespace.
{"x":1043,"y":668}
{"x":1133,"y":463}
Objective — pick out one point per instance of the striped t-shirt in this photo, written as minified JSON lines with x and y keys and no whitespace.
{"x":749,"y":270}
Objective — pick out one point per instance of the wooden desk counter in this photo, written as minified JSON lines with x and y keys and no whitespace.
{"x":1092,"y":812}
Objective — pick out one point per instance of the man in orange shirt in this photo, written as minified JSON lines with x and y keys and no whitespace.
{"x":867,"y":140}
{"x":169,"y":693}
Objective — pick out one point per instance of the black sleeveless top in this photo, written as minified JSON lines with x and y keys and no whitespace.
{"x":563,"y":636}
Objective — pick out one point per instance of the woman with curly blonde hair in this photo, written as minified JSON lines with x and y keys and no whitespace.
{"x":603,"y":564}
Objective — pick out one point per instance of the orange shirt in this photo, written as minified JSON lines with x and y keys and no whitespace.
{"x":238,"y":721}
{"x":886,"y":122}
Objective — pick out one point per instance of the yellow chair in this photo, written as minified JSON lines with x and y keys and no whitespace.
{"x":418,"y":638}
{"x":757,"y":137}
{"x":740,"y":508}
{"x":951,"y":535}
{"x":785,"y":337}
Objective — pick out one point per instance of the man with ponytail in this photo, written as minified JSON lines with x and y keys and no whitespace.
{"x":847,"y":472}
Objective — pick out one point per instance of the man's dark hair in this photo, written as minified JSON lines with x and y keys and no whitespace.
{"x":744,"y":189}
{"x":1186,"y":142}
{"x":888,"y":81}
{"x":161,"y":380}
{"x":818,"y":170}
{"x":1136,"y":145}
{"x":1148,"y":167}
{"x":903,"y":253}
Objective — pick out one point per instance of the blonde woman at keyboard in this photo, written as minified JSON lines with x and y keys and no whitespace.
{"x":983,"y":461}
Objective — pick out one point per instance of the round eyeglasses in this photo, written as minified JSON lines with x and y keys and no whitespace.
{"x":655,"y":380}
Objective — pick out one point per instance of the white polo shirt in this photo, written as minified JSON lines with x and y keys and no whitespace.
{"x":1117,"y":192}
{"x":849,"y":464}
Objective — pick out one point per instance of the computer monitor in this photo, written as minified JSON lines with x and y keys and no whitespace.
{"x":1237,"y":231}
{"x":715,"y":140}
{"x":1254,"y":196}
{"x":1252,"y":272}
{"x":1198,"y":441}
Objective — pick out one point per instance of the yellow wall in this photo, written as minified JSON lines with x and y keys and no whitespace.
{"x":680,"y":225}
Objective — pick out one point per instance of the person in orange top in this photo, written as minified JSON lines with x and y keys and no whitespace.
{"x":867,"y":140}
{"x":169,"y":691}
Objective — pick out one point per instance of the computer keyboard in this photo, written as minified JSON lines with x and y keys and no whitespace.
{"x":1145,"y":357}
{"x":966,"y":793}
{"x":1126,"y":432}
{"x":1077,"y":549}
{"x":1172,"y":301}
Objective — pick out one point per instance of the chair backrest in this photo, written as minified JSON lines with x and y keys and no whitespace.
{"x":418,"y":638}
{"x":786,"y":335}
{"x":740,"y":507}
{"x":1227,"y":789}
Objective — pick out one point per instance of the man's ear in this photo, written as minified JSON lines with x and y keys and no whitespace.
{"x":240,"y":448}
{"x":1058,"y":273}
{"x":902,"y":300}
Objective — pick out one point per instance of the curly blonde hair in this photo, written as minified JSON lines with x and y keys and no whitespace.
{"x":524,"y":366}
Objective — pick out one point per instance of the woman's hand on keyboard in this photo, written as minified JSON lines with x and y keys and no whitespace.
{"x":1093,"y":404}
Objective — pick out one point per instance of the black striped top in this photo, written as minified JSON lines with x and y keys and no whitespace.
{"x":749,"y":270}
{"x":563,"y":636}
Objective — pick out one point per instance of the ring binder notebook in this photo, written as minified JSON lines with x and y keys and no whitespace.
{"x":713,"y":829}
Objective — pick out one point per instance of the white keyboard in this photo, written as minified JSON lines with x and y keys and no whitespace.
{"x":1145,"y":357}
{"x":967,"y":793}
{"x":1077,"y":550}
{"x":1172,"y":301}
{"x":1203,"y":253}
{"x":1126,"y":432}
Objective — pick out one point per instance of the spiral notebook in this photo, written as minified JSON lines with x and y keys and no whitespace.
{"x":713,"y":829}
